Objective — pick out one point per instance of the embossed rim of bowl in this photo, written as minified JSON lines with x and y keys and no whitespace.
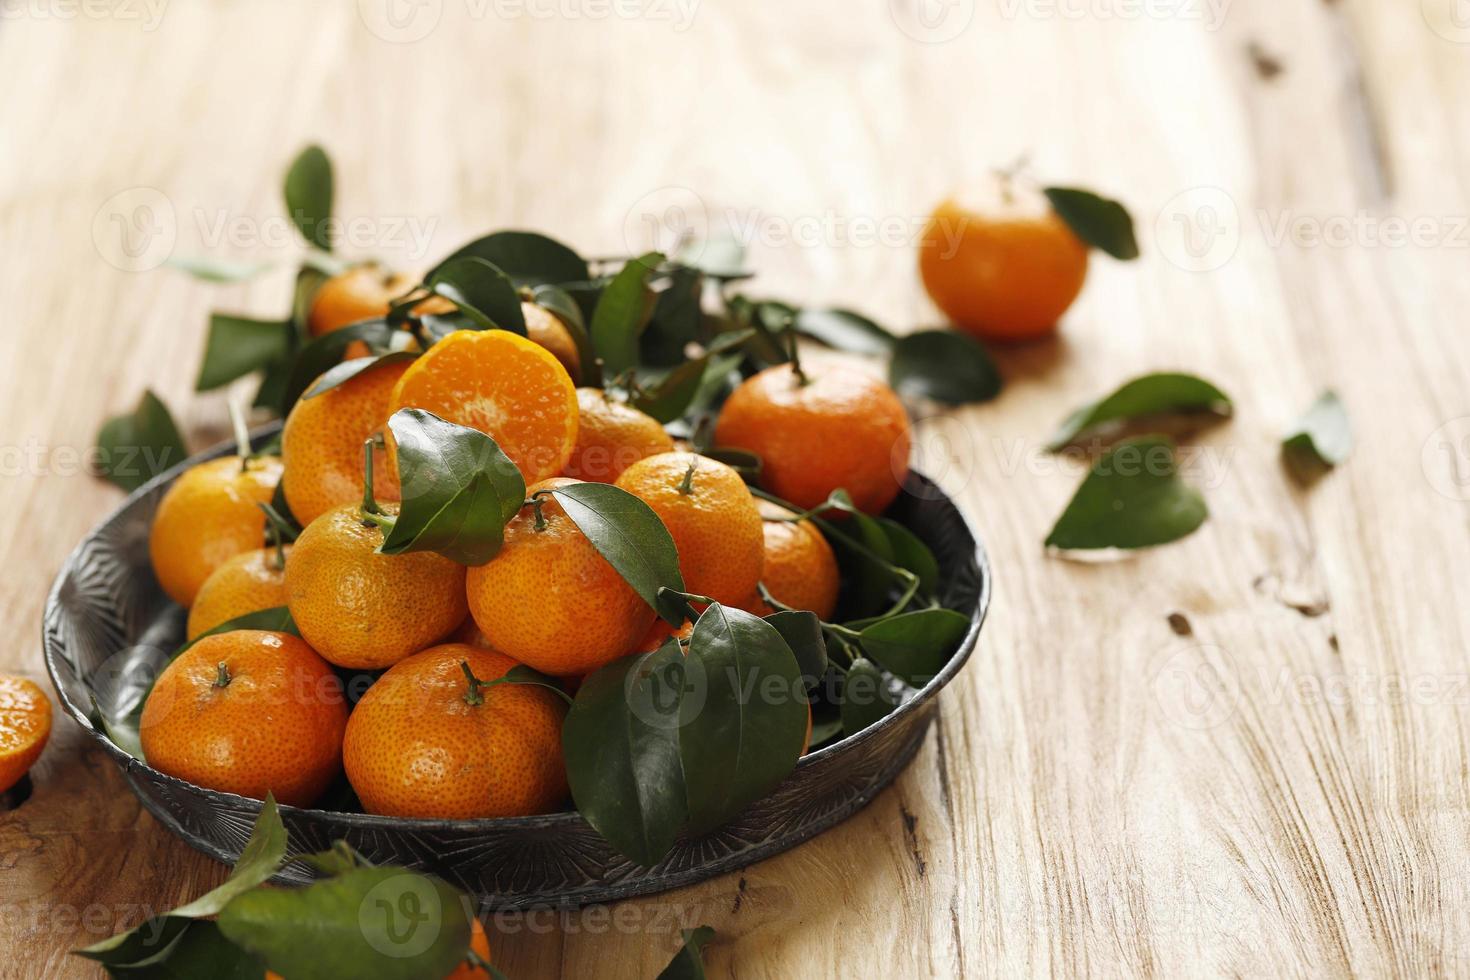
{"x":130,"y":765}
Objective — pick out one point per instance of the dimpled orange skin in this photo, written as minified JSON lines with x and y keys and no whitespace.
{"x":550,"y":600}
{"x":611,"y":436}
{"x":361,"y":293}
{"x":801,"y":570}
{"x":415,"y":747}
{"x":25,"y":725}
{"x":504,"y":385}
{"x":545,"y":328}
{"x":360,"y":609}
{"x":715,"y":526}
{"x":275,"y":727}
{"x":1002,"y":265}
{"x":247,"y":583}
{"x":207,"y":517}
{"x":842,"y":428}
{"x":321,"y":444}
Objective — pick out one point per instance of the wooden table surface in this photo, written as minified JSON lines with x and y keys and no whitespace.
{"x":1244,"y":753}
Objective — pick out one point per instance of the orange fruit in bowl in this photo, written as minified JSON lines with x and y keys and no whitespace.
{"x":801,"y":569}
{"x":1001,"y":264}
{"x":657,"y":634}
{"x":366,"y":610}
{"x":549,"y":599}
{"x":827,"y":427}
{"x":425,"y":742}
{"x":502,"y":384}
{"x":207,"y":517}
{"x":248,"y":712}
{"x":247,"y":583}
{"x":25,"y":725}
{"x":710,"y":515}
{"x":360,"y":293}
{"x":480,"y":943}
{"x":611,"y":436}
{"x":321,"y":443}
{"x":546,"y":329}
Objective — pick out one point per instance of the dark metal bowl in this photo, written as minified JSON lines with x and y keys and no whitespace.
{"x":107,"y":621}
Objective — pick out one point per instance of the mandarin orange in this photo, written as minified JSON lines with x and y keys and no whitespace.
{"x":426,"y":742}
{"x":827,"y":427}
{"x":545,"y":328}
{"x":248,"y":712}
{"x":25,"y":725}
{"x":549,"y":599}
{"x":711,"y":516}
{"x":611,"y":436}
{"x":209,"y":515}
{"x":361,"y":293}
{"x":801,"y":569}
{"x":247,"y":583}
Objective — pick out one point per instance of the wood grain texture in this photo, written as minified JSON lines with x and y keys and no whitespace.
{"x":1243,"y":754}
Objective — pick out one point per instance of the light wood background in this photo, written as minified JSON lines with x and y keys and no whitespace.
{"x":1242,"y":754}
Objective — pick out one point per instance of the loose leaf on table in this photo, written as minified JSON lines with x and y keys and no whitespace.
{"x":347,"y":370}
{"x":308,"y":194}
{"x":914,"y":646}
{"x":945,"y":366}
{"x":633,"y":539}
{"x":744,"y":735}
{"x":529,"y":258}
{"x":1165,"y":393}
{"x":1132,"y":498}
{"x":622,"y":312}
{"x":481,"y":289}
{"x":866,"y":698}
{"x":621,"y":745}
{"x":1099,"y":221}
{"x":845,"y":330}
{"x":1323,"y":437}
{"x":326,"y":351}
{"x":276,"y":619}
{"x":239,"y":345}
{"x":688,"y":963}
{"x":386,"y":923}
{"x":459,"y":489}
{"x":161,"y":938}
{"x":217,"y":270}
{"x":802,"y":632}
{"x":562,"y":306}
{"x":134,"y":448}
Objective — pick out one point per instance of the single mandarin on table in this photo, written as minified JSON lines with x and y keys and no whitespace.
{"x":801,"y":570}
{"x":827,"y":427}
{"x":1001,"y":263}
{"x":25,"y":725}
{"x":209,"y":515}
{"x":425,"y":742}
{"x":321,"y":444}
{"x":611,"y":436}
{"x":504,"y":385}
{"x":545,"y":328}
{"x":711,"y":516}
{"x":549,"y":599}
{"x":362,"y":609}
{"x":247,"y":583}
{"x":249,"y":712}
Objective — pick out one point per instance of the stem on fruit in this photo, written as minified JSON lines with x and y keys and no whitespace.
{"x":222,"y":675}
{"x":687,"y":486}
{"x":537,"y":502}
{"x":369,"y":504}
{"x":242,"y":434}
{"x":795,"y":355}
{"x":472,"y":695}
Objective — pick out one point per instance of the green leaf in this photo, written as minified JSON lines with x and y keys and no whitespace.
{"x":347,"y":370}
{"x":317,"y":357}
{"x":162,"y":938}
{"x":633,"y":539}
{"x":218,"y":270}
{"x":529,"y":258}
{"x":134,"y":448}
{"x":1145,"y":397}
{"x":309,"y":196}
{"x":802,"y":632}
{"x":911,"y":553}
{"x":562,"y":306}
{"x":845,"y":330}
{"x":677,"y":319}
{"x":914,"y":646}
{"x":481,"y":289}
{"x":385,"y":923}
{"x":276,"y":619}
{"x":1132,"y":498}
{"x":1099,"y":221}
{"x":688,"y":963}
{"x":621,"y":745}
{"x":1323,"y":437}
{"x":945,"y":366}
{"x":237,"y":346}
{"x":673,"y":395}
{"x":866,"y":698}
{"x":745,"y":734}
{"x":622,"y":312}
{"x":459,"y":489}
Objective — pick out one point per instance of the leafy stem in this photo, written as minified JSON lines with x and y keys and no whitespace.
{"x":372,"y":515}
